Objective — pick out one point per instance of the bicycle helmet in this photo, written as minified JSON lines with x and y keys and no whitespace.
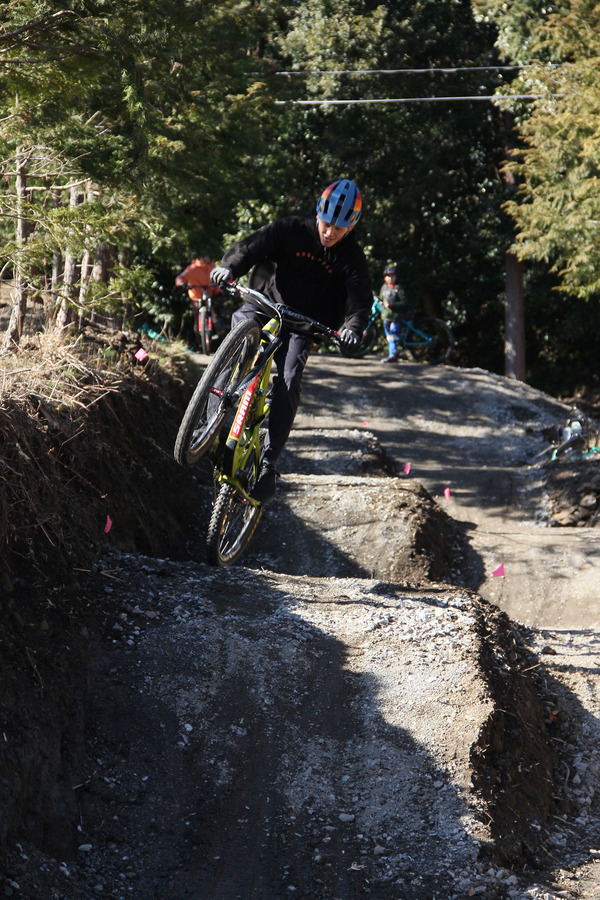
{"x":340,"y":204}
{"x":390,"y":270}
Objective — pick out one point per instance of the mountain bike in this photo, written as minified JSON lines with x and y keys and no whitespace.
{"x":212,"y":322}
{"x":207,"y":322}
{"x":226,"y":415}
{"x":428,"y":340}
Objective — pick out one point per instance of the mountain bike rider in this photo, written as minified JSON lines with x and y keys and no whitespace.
{"x":315,"y":265}
{"x":197,"y":278}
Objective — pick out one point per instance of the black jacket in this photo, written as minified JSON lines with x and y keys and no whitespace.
{"x":290,"y":265}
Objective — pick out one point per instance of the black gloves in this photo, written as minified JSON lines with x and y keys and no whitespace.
{"x":221,"y":275}
{"x":348,"y":338}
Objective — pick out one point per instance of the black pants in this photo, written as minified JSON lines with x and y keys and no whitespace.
{"x":290,"y":360}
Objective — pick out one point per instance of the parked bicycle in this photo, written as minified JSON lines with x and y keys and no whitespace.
{"x":224,"y":417}
{"x":575,"y":439}
{"x":428,"y":340}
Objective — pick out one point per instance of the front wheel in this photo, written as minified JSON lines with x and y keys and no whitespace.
{"x":232,"y":524}
{"x":430,"y":341}
{"x":205,"y":330}
{"x":208,"y":409}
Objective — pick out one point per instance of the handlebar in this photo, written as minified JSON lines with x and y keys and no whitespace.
{"x":294,"y":321}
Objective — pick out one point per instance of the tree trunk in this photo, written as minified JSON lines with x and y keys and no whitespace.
{"x":101,"y":272}
{"x":125,"y":260}
{"x":14,"y":331}
{"x":514,"y":345}
{"x":70,"y":272}
{"x":57,"y":263}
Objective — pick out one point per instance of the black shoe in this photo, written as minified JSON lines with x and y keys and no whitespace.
{"x":265,"y":487}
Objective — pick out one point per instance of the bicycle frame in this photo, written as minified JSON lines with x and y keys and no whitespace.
{"x":410,"y":329}
{"x":252,"y":394}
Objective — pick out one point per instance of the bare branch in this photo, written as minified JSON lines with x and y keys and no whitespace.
{"x":36,"y":25}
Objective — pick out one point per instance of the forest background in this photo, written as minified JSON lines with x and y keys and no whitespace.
{"x":136,"y":134}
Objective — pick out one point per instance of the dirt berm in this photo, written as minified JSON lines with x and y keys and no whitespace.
{"x":341,"y":716}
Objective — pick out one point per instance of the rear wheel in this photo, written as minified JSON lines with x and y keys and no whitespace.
{"x":209,"y":408}
{"x":434,"y":344}
{"x":232,"y":524}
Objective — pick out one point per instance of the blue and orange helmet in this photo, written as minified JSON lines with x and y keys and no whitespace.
{"x":340,"y":204}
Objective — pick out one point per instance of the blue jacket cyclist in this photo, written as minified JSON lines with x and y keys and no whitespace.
{"x":315,"y":265}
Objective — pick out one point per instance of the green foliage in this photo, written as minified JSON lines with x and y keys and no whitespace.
{"x":138,"y":103}
{"x":556,"y":165}
{"x":160,"y":114}
{"x":429,"y":171}
{"x":557,"y":209}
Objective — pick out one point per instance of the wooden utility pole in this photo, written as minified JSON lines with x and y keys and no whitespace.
{"x":514,"y":343}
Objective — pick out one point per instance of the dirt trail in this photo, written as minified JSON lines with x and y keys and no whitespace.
{"x":344,"y":716}
{"x":480,"y":436}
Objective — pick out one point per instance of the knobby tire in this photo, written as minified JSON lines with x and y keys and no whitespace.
{"x":232,"y":524}
{"x":441,"y":345}
{"x":203,"y":419}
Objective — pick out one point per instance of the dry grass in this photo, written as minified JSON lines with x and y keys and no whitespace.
{"x":61,"y":370}
{"x":86,"y":431}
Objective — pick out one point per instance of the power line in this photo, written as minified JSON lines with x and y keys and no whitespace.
{"x":406,"y":71}
{"x":413,"y":100}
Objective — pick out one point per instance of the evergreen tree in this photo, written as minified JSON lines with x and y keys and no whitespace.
{"x":557,"y":208}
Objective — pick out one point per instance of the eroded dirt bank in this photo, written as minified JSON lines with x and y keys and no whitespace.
{"x":336,"y":718}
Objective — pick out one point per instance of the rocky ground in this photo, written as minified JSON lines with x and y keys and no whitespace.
{"x":344,"y":715}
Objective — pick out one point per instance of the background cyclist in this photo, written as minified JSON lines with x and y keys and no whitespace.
{"x":197,"y":277}
{"x":394,"y":310}
{"x":315,"y":265}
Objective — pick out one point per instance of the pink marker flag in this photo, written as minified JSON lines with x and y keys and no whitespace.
{"x":365,"y":424}
{"x":108,"y":525}
{"x":447,"y":493}
{"x":407,"y":468}
{"x":141,"y":355}
{"x":499,"y":572}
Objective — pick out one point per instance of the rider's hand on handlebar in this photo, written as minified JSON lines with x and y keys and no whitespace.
{"x":349,"y":338}
{"x":221,"y":275}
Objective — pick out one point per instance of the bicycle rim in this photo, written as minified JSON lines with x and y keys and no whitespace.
{"x":435,"y":346}
{"x":232,"y":524}
{"x":208,"y":411}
